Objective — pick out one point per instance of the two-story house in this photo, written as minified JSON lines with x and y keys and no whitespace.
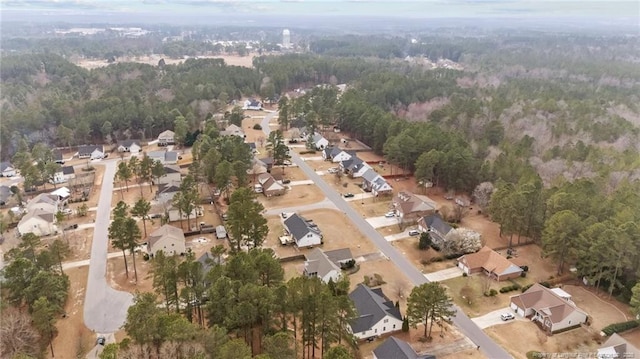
{"x":376,"y":314}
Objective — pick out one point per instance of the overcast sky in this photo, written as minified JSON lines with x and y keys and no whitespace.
{"x":605,"y":10}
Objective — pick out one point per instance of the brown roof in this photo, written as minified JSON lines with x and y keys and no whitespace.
{"x":167,"y":230}
{"x":546,"y":302}
{"x":489,"y":260}
{"x":409,"y":203}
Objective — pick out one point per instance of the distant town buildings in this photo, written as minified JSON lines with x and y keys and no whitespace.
{"x":286,"y":39}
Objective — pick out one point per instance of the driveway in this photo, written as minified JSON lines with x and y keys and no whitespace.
{"x":397,"y":236}
{"x":300,"y":183}
{"x":105,"y":309}
{"x":488,"y":347}
{"x":444,"y":274}
{"x":378,"y":222}
{"x":359,"y":196}
{"x":493,"y":318}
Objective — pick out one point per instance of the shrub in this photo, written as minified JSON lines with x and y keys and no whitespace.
{"x":534,"y":354}
{"x":510,"y":288}
{"x":307,"y":152}
{"x":405,"y":324}
{"x":620,"y":327}
{"x":257,"y":126}
{"x":348,"y":264}
{"x":524,"y":289}
{"x":523,"y":274}
{"x":546,"y":284}
{"x":435,"y":247}
{"x":425,"y":241}
{"x":491,"y":293}
{"x":464,"y":274}
{"x":525,"y":268}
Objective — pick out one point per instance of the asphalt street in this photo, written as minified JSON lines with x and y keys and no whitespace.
{"x":105,"y":309}
{"x":461,"y":320}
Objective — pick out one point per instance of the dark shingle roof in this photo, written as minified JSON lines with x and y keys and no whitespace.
{"x":298,"y":226}
{"x":394,"y":348}
{"x":171,"y":169}
{"x":435,"y":221}
{"x":4,"y":165}
{"x":68,"y":170}
{"x":87,"y":150}
{"x":371,"y":306}
{"x":57,"y":155}
{"x":207,"y":260}
{"x":128,"y":143}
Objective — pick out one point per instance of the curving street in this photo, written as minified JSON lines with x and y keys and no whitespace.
{"x":105,"y":309}
{"x":461,"y":320}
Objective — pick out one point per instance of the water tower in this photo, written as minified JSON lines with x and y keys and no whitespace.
{"x":286,"y":39}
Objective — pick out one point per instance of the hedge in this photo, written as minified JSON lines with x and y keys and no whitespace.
{"x":510,"y":288}
{"x":620,"y":327}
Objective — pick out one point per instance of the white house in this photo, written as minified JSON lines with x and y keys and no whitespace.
{"x":436,"y":226}
{"x":7,"y":170}
{"x":326,"y":265}
{"x":44,"y":201}
{"x":319,"y":142}
{"x":304,"y":232}
{"x":335,"y":155}
{"x":64,"y":174}
{"x":171,"y":174}
{"x":166,"y":138}
{"x":252,"y":104}
{"x":39,"y":222}
{"x":269,"y":186}
{"x":552,"y":308}
{"x":233,"y":130}
{"x":165,"y":157}
{"x":174,"y":214}
{"x":376,"y":314}
{"x":167,"y":191}
{"x":168,"y":239}
{"x":618,"y":347}
{"x":376,"y":184}
{"x":132,"y":146}
{"x":93,"y":152}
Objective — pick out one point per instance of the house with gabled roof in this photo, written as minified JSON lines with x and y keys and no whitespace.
{"x":375,"y":313}
{"x":93,"y":152}
{"x":394,"y":348}
{"x":168,"y":239}
{"x":354,"y":167}
{"x":233,"y":130}
{"x":490,"y":263}
{"x":166,"y":138}
{"x":319,"y":142}
{"x":167,"y":191}
{"x":436,"y":226}
{"x":5,"y":194}
{"x":132,"y":146}
{"x":252,"y":104}
{"x":617,"y":347}
{"x":374,"y":183}
{"x":165,"y":157}
{"x":270,"y":187}
{"x":7,"y":170}
{"x":326,"y":265}
{"x":304,"y":232}
{"x":39,"y":222}
{"x":57,"y":156}
{"x":171,"y":174}
{"x":44,"y":201}
{"x":335,"y":154}
{"x":410,"y":207}
{"x":64,"y":174}
{"x":552,"y":309}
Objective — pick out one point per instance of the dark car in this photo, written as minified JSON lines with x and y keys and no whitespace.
{"x":349,"y":195}
{"x":286,"y":181}
{"x":101,"y":340}
{"x":73,"y":226}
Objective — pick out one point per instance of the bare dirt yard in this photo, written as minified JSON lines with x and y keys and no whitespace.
{"x":602,"y":310}
{"x":255,"y":135}
{"x":295,"y":196}
{"x":232,"y":60}
{"x":421,"y":258}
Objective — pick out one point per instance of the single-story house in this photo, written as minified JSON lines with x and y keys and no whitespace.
{"x":39,"y":222}
{"x":618,"y":347}
{"x":64,"y":174}
{"x":304,"y":232}
{"x":233,"y":130}
{"x":326,"y":265}
{"x":270,"y":187}
{"x":252,"y":104}
{"x":167,"y":191}
{"x":335,"y":155}
{"x":61,"y":194}
{"x":490,"y":263}
{"x":165,"y":157}
{"x":319,"y":142}
{"x":374,"y":183}
{"x":44,"y":201}
{"x":552,"y":309}
{"x":57,"y":157}
{"x":132,"y":146}
{"x":354,"y":167}
{"x":168,"y":239}
{"x":436,"y":226}
{"x":171,"y":174}
{"x":166,"y":138}
{"x":375,"y":313}
{"x":394,"y":348}
{"x":410,"y":207}
{"x":7,"y":170}
{"x":94,"y":152}
{"x":174,"y":214}
{"x":268,"y":162}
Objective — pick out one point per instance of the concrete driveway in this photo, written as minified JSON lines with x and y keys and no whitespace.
{"x":378,"y":222}
{"x":398,"y":236}
{"x":444,"y":274}
{"x":493,"y":318}
{"x":300,"y":183}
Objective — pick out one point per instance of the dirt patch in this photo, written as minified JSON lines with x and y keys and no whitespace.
{"x":396,"y":285}
{"x":295,"y":196}
{"x":117,"y":277}
{"x":540,"y":269}
{"x":409,"y":248}
{"x":232,"y":60}
{"x":602,"y":310}
{"x":255,"y":135}
{"x":475,"y":303}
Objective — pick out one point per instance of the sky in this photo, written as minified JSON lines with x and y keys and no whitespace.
{"x":603,"y":10}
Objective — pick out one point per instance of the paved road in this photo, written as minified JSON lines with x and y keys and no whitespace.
{"x":444,"y":274}
{"x":105,"y":309}
{"x":464,"y":324}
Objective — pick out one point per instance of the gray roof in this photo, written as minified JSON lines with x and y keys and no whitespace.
{"x":128,"y":143}
{"x":370,"y":175}
{"x":371,"y":305}
{"x":207,"y":260}
{"x":68,"y":170}
{"x":5,"y":193}
{"x":318,"y":262}
{"x":4,"y":165}
{"x":171,"y":156}
{"x":436,"y":222}
{"x":171,"y":169}
{"x":88,"y":149}
{"x":57,"y":155}
{"x":339,"y":255}
{"x":298,"y":226}
{"x":620,"y":346}
{"x":169,"y":187}
{"x":394,"y":348}
{"x":266,"y":160}
{"x":317,"y":137}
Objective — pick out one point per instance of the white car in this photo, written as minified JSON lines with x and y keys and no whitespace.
{"x":390,"y":214}
{"x":67,"y":211}
{"x":332,"y":170}
{"x":507,"y":316}
{"x":414,"y":232}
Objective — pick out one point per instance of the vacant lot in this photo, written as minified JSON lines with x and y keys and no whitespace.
{"x":255,"y":135}
{"x":602,"y":310}
{"x":295,"y":196}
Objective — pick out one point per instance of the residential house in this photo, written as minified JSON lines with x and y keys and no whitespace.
{"x":354,"y":167}
{"x":305,"y":233}
{"x":93,"y":152}
{"x":436,"y":226}
{"x":394,"y":348}
{"x":64,"y":174}
{"x":617,"y":347}
{"x":270,"y":187}
{"x":165,"y":157}
{"x":168,"y":239}
{"x":132,"y":146}
{"x":5,"y":194}
{"x":177,"y":215}
{"x":335,"y":155}
{"x":61,"y":194}
{"x":171,"y":174}
{"x":7,"y":170}
{"x":252,"y":105}
{"x":44,"y":201}
{"x":39,"y":222}
{"x":376,"y":314}
{"x":166,"y":138}
{"x":268,"y":162}
{"x":167,"y":191}
{"x":374,"y":183}
{"x":57,"y":157}
{"x":552,"y":309}
{"x":326,"y":265}
{"x":489,"y":262}
{"x":252,"y":147}
{"x":410,"y":207}
{"x":233,"y":130}
{"x":319,"y":142}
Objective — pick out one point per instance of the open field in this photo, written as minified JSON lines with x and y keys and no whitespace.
{"x":233,"y":60}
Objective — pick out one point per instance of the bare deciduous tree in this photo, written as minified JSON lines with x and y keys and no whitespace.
{"x":17,"y":335}
{"x":482,"y":194}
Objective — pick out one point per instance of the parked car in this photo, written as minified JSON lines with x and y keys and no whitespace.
{"x":332,"y":170}
{"x":349,"y":195}
{"x":284,"y":214}
{"x":101,"y":340}
{"x":67,"y":211}
{"x":390,"y":214}
{"x":507,"y":316}
{"x":414,"y":232}
{"x":73,"y":226}
{"x":286,"y":181}
{"x":155,"y":215}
